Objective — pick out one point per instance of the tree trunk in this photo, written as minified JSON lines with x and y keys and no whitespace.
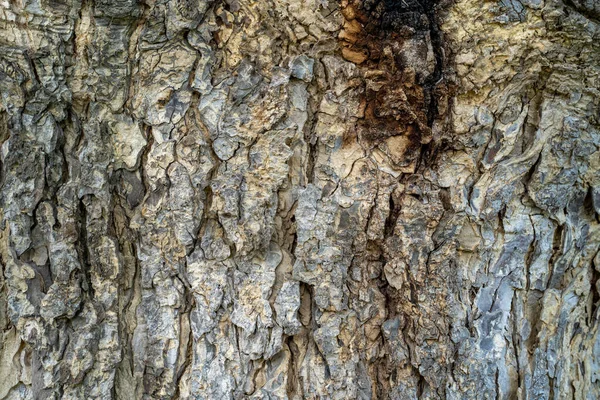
{"x":299,"y":199}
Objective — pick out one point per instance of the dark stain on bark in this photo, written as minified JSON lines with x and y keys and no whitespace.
{"x":589,"y":9}
{"x":399,"y":48}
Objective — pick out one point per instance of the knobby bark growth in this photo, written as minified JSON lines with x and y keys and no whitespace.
{"x":227,"y":199}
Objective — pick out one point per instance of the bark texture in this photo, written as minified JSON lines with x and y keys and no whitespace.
{"x":299,"y":199}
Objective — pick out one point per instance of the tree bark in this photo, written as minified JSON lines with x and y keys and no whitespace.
{"x":299,"y":199}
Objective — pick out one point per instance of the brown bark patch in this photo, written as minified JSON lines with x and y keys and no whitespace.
{"x":398,"y":47}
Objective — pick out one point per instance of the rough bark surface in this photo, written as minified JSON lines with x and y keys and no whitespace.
{"x":301,"y":199}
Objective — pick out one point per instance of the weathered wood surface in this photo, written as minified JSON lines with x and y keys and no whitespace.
{"x":302,"y":199}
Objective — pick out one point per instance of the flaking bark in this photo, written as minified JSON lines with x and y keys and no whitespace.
{"x":301,"y":199}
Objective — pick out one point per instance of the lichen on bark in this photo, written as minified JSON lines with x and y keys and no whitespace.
{"x":227,"y":199}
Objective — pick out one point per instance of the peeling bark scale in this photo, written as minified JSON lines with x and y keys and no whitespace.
{"x":299,"y":199}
